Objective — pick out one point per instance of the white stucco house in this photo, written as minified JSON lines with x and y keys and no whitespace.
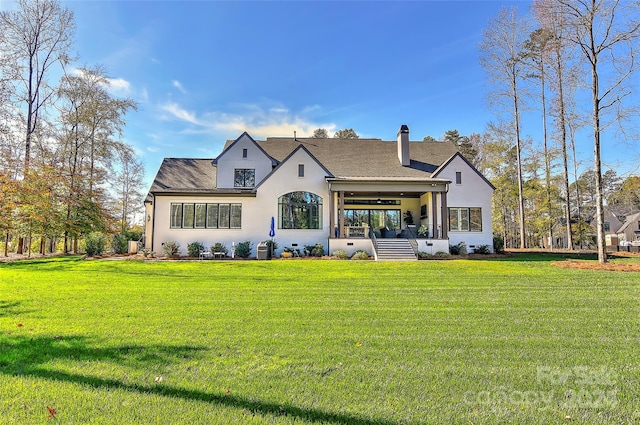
{"x":344,"y":194}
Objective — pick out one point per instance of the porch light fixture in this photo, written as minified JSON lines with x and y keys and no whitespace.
{"x":148,"y":217}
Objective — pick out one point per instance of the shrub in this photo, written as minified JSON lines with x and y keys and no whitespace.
{"x":120,"y":243}
{"x":195,"y":248}
{"x":442,"y":254}
{"x":95,"y":244}
{"x":360,"y":255}
{"x":148,"y":253}
{"x":292,"y":251}
{"x":243,"y":249}
{"x":271,"y":246}
{"x":219,"y":247}
{"x":458,"y":249}
{"x":316,"y":250}
{"x":341,"y":254}
{"x":171,"y":249}
{"x":498,"y":243}
{"x":422,"y":255}
{"x":286,"y":254}
{"x":482,"y":249}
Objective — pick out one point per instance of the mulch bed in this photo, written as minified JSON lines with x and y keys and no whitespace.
{"x":594,"y":265}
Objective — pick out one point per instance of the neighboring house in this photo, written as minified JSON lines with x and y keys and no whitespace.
{"x":612,"y":221}
{"x":620,"y":227}
{"x":344,"y":194}
{"x":629,"y":231}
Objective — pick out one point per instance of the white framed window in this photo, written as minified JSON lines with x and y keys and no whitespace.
{"x":465,"y":219}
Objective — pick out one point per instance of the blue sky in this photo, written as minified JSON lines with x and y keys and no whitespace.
{"x":205,"y":71}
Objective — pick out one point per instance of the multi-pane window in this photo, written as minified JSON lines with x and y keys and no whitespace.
{"x":244,"y":177}
{"x":465,"y":219}
{"x":200,"y":220}
{"x":300,"y":210}
{"x":206,"y":216}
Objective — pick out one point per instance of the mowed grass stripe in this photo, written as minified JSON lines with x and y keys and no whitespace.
{"x":313,"y":341}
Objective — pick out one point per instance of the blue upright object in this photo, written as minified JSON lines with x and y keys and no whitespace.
{"x":272,"y":232}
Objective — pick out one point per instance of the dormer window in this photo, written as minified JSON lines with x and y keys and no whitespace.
{"x":244,"y":177}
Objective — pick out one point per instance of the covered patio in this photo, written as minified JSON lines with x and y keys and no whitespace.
{"x":363,"y":211}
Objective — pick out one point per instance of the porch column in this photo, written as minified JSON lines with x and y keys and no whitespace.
{"x":332,"y":215}
{"x":341,"y":214}
{"x":445,"y":216}
{"x":434,"y":215}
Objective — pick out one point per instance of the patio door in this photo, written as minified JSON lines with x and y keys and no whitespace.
{"x":376,"y":219}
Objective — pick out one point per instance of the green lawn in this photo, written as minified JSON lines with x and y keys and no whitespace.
{"x":510,"y":340}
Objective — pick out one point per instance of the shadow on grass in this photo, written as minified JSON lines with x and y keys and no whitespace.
{"x":51,"y":263}
{"x":25,"y":356}
{"x":11,"y":308}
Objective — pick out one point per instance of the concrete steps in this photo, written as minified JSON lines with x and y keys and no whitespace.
{"x":395,"y":250}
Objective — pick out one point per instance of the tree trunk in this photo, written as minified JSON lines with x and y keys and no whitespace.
{"x":563,"y":141}
{"x":523,"y":242}
{"x":595,"y":90}
{"x":547,"y":161}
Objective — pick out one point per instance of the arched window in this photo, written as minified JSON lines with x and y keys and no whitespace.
{"x":300,"y":210}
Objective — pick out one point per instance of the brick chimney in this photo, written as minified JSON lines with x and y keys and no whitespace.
{"x":403,"y":145}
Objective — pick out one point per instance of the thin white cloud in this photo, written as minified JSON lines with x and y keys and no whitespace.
{"x":119,"y":85}
{"x":180,"y":113}
{"x":177,"y":84}
{"x":259,"y":121}
{"x":152,"y":149}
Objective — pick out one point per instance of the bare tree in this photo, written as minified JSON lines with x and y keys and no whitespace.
{"x":127,"y":184}
{"x":501,"y":57}
{"x":605,"y":32}
{"x":33,"y":39}
{"x":347,"y":133}
{"x":90,"y":122}
{"x":320,"y":133}
{"x":562,"y":77}
{"x":536,"y":53}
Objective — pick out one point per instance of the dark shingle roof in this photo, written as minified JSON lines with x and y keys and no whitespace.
{"x":344,"y":158}
{"x":365,"y":157}
{"x":185,"y":176}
